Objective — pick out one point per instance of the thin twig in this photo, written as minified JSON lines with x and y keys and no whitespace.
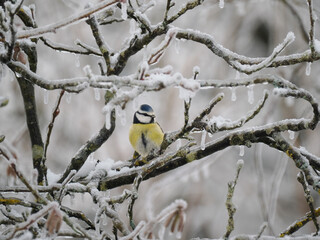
{"x":311,"y":31}
{"x":169,"y":5}
{"x":65,"y":22}
{"x":186,"y":112}
{"x":299,"y":160}
{"x":55,"y":113}
{"x":300,"y":223}
{"x":35,"y":217}
{"x":262,"y":228}
{"x":229,"y":204}
{"x":33,"y":190}
{"x":134,"y":197}
{"x":309,"y":199}
{"x":70,"y":49}
{"x":104,"y":49}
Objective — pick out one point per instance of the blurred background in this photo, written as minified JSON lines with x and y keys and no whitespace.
{"x":267,"y":189}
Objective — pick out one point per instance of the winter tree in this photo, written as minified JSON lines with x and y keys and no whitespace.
{"x":235,"y":88}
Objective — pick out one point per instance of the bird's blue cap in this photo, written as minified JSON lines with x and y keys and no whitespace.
{"x":146,"y":108}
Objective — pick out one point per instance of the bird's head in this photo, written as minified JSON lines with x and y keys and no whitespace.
{"x":144,"y":115}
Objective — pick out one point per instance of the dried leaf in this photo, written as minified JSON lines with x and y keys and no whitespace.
{"x":54,"y":221}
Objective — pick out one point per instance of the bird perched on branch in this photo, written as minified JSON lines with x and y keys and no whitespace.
{"x":145,"y":134}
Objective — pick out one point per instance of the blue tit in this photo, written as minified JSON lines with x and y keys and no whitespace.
{"x":145,"y":134}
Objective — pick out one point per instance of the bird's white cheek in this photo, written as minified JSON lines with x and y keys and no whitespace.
{"x":143,"y":118}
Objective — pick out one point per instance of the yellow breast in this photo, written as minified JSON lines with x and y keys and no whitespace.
{"x":145,"y":138}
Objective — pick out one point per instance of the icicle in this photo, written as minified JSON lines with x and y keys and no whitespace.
{"x":77,"y":60}
{"x":132,"y":27}
{"x":34,"y":177}
{"x":179,"y":144}
{"x":161,"y":231}
{"x":88,"y":71}
{"x":136,"y":103}
{"x":203,"y":140}
{"x":250,"y":94}
{"x":233,"y":94}
{"x":291,"y":134}
{"x":45,"y":96}
{"x":177,"y":45}
{"x":237,"y":75}
{"x":108,"y":121}
{"x":71,"y":199}
{"x":68,"y":97}
{"x":241,"y":152}
{"x":308,"y":68}
{"x":104,"y":221}
{"x":221,"y":3}
{"x":289,"y":101}
{"x":206,"y":171}
{"x":97,"y":94}
{"x":124,"y":15}
{"x":122,"y":115}
{"x":178,"y":235}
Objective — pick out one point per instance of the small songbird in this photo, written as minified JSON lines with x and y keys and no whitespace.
{"x":145,"y":134}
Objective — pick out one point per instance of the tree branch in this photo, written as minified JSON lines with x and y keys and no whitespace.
{"x":104,"y":49}
{"x":27,"y":92}
{"x":65,"y":22}
{"x":309,"y":199}
{"x":229,"y":204}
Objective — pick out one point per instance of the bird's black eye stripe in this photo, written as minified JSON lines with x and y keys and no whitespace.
{"x":146,"y":114}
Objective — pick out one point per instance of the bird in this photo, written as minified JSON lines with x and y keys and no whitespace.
{"x":145,"y":134}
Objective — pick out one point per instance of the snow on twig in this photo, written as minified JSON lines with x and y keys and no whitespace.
{"x":267,"y":61}
{"x":65,"y":22}
{"x":239,"y":62}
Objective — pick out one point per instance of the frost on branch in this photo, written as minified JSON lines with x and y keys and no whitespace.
{"x":69,"y":169}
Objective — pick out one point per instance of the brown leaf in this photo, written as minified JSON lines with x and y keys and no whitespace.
{"x":54,"y":221}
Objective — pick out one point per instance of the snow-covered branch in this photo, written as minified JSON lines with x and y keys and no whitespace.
{"x":40,"y":31}
{"x":203,"y":111}
{"x":245,"y":64}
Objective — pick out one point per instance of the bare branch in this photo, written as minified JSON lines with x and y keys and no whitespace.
{"x":70,"y":49}
{"x":55,"y":113}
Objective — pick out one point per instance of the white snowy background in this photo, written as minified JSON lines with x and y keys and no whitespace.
{"x":249,"y":27}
